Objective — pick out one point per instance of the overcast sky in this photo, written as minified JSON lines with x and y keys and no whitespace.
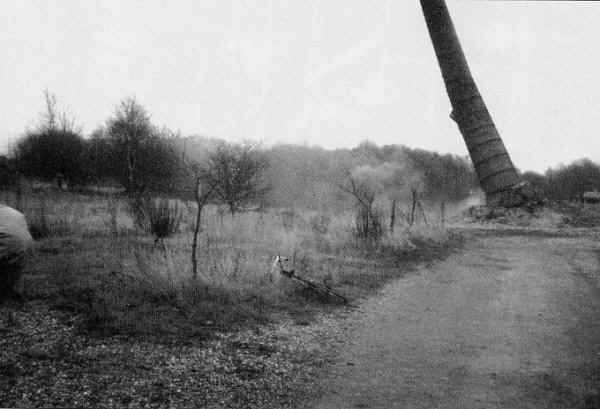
{"x":322,"y":72}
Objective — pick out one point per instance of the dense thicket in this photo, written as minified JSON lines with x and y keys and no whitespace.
{"x":311,"y":176}
{"x":53,"y":155}
{"x":566,"y":182}
{"x":55,"y":149}
{"x":129,"y":150}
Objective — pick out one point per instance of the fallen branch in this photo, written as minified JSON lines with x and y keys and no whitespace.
{"x":320,"y":288}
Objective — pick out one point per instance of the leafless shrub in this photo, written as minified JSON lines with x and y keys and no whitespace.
{"x":159,"y":217}
{"x":236,"y":173}
{"x":368,"y":221}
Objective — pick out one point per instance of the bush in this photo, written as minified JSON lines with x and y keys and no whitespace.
{"x":52,"y":155}
{"x":54,"y":150}
{"x":161,"y":218}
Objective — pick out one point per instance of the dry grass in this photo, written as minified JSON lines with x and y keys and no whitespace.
{"x":91,"y":259}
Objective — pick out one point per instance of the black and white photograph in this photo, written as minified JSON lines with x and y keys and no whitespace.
{"x":300,"y":204}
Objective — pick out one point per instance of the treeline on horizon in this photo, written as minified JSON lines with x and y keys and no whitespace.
{"x":566,"y":182}
{"x":130,"y":152}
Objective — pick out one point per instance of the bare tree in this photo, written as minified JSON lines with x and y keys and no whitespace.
{"x":364,"y":192}
{"x":202,"y":197}
{"x":129,"y":129}
{"x":56,"y":119}
{"x":49,"y":118}
{"x":236,"y":174}
{"x":143,"y":157}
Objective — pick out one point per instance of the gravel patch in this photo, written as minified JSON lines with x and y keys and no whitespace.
{"x":46,"y":362}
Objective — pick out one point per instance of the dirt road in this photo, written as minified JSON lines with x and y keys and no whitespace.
{"x":510,"y":322}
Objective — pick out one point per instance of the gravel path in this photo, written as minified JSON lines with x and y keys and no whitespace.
{"x":510,"y":322}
